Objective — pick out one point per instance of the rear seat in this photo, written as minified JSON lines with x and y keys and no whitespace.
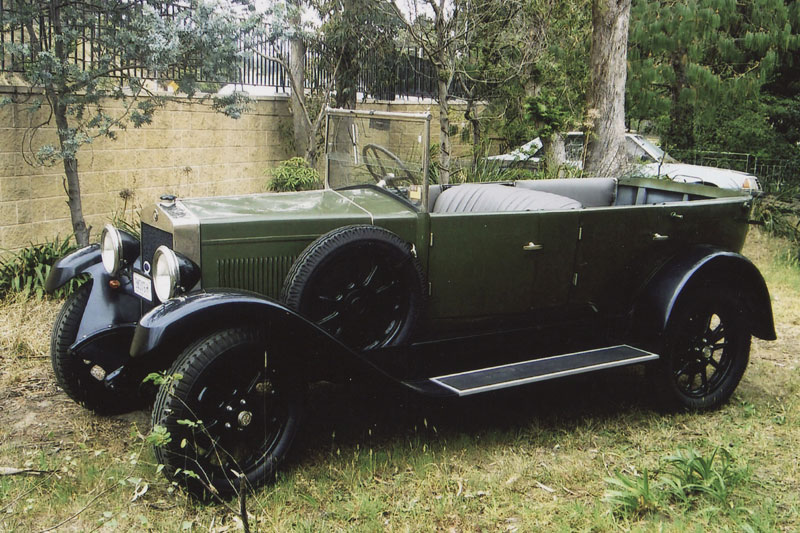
{"x":590,"y":192}
{"x":488,"y":198}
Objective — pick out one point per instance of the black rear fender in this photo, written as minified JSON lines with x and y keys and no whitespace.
{"x":704,"y":266}
{"x":302,"y":346}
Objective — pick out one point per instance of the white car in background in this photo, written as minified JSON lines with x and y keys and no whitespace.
{"x":648,"y":159}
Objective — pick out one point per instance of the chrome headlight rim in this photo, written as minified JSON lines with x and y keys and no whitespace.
{"x":111,"y":249}
{"x":171,"y":270}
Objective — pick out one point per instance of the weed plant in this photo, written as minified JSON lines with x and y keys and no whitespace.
{"x":687,"y":476}
{"x":294,"y":174}
{"x":26,"y":270}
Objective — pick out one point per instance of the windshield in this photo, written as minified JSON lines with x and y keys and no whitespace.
{"x":385,"y":150}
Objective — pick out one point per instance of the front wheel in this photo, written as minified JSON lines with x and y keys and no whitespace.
{"x":225,"y":411}
{"x":74,"y":375}
{"x":706,"y":351}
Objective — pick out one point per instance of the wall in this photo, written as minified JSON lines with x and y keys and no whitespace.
{"x":188,"y":150}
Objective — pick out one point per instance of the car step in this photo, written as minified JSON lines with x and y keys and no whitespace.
{"x":515,"y":374}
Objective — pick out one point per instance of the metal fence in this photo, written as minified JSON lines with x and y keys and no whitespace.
{"x":404,"y":72}
{"x":773,"y":173}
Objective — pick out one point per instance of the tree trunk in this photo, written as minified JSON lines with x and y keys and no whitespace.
{"x":297,"y":54}
{"x":71,"y":170}
{"x":606,"y":110}
{"x":555,"y":154}
{"x":444,"y":132}
{"x":471,"y":115}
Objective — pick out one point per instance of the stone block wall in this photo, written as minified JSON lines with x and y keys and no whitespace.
{"x":189,"y":150}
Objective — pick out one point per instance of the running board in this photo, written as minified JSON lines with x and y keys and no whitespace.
{"x":515,"y":374}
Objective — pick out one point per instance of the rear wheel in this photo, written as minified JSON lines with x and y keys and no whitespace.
{"x":706,"y":351}
{"x":227,"y":412}
{"x":73,"y":374}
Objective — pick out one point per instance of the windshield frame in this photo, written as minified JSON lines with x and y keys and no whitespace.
{"x":424,"y":119}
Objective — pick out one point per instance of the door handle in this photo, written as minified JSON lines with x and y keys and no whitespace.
{"x":659,"y":237}
{"x":531,"y":246}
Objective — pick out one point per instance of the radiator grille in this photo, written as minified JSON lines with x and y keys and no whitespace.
{"x":264,"y":275}
{"x":152,"y":238}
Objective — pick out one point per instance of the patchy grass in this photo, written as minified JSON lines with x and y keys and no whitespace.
{"x":536,"y":459}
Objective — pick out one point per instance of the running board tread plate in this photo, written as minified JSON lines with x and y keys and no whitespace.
{"x":515,"y":374}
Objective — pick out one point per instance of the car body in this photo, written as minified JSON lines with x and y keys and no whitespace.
{"x":443,"y":290}
{"x":647,"y":160}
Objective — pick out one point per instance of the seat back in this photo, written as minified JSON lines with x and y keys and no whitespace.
{"x":590,"y":192}
{"x":489,"y":198}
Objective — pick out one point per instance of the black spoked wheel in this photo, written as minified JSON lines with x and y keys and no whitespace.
{"x":361,"y":284}
{"x":228,"y":414}
{"x":73,"y":374}
{"x":707,"y":350}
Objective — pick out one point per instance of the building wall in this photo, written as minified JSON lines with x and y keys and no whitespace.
{"x":188,"y":150}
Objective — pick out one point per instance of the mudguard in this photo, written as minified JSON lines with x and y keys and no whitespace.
{"x":707,"y":265}
{"x":74,"y":264}
{"x":167,"y":329}
{"x":106,"y":308}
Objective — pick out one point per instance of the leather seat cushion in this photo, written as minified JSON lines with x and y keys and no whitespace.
{"x":488,"y":198}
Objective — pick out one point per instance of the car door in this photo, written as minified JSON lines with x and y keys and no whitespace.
{"x":618,"y":250}
{"x":485,"y":264}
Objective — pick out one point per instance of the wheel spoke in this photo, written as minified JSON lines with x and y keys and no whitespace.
{"x":370,"y":276}
{"x":717,"y":334}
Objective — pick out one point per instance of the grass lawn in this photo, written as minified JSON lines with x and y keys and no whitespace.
{"x":535,"y":459}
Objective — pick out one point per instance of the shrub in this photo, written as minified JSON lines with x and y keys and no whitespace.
{"x":294,"y":174}
{"x":26,"y":270}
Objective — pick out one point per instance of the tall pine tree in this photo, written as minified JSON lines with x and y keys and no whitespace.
{"x":687,"y":56}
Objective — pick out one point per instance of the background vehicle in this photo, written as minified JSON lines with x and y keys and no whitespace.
{"x":446,"y":291}
{"x":647,"y":160}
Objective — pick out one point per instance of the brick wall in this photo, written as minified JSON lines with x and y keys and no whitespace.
{"x":188,"y":150}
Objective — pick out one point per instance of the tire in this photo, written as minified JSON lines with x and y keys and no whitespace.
{"x":72,"y":374}
{"x":362,"y":284}
{"x":706,"y":351}
{"x":226,"y":412}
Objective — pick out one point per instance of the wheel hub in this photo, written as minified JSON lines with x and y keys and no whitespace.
{"x":244,"y":418}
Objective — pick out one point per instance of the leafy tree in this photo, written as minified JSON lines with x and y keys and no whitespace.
{"x":689,"y":59}
{"x":126,"y":42}
{"x":467,"y":41}
{"x":357,"y":35}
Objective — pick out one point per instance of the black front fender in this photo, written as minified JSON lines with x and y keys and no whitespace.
{"x":169,"y":328}
{"x":704,"y":265}
{"x":74,"y":264}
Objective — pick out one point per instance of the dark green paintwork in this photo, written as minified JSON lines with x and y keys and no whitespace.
{"x":475,"y":263}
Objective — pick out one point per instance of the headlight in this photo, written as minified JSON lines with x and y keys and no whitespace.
{"x":111,"y":249}
{"x":166,"y":273}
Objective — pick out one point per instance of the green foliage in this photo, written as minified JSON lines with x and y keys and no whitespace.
{"x":550,"y":94}
{"x":294,"y":174}
{"x":686,"y":477}
{"x":630,"y":494}
{"x":689,"y":474}
{"x":159,"y":436}
{"x":697,"y":64}
{"x":350,"y":27}
{"x":26,"y":270}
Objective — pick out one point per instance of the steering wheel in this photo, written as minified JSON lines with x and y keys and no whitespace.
{"x":374,"y":155}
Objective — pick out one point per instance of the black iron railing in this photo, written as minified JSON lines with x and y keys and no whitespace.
{"x":402,"y":73}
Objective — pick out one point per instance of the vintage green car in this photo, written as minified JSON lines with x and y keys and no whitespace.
{"x":444,"y":290}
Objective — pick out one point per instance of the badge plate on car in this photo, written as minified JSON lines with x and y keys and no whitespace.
{"x":142,"y":286}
